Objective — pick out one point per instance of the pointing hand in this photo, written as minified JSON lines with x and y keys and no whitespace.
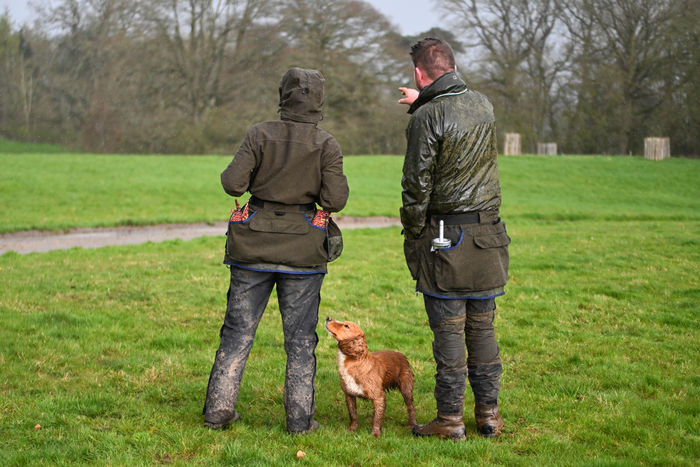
{"x":410,"y":95}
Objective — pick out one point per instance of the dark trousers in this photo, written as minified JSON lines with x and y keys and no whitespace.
{"x":299,"y":298}
{"x":455,"y":323}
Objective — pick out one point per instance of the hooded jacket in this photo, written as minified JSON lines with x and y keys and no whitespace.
{"x":450,"y":165}
{"x":291,"y":160}
{"x":286,"y":163}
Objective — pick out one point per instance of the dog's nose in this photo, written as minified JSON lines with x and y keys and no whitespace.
{"x":328,"y":318}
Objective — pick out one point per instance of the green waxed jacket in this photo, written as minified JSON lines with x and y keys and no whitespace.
{"x":451,"y":168}
{"x":450,"y":164}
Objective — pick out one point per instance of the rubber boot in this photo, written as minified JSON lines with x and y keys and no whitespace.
{"x":443,"y":426}
{"x":488,"y":420}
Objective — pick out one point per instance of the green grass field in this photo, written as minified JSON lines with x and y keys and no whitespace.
{"x":68,"y":190}
{"x":109,"y":350}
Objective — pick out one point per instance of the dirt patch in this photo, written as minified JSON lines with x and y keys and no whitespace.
{"x":36,"y":241}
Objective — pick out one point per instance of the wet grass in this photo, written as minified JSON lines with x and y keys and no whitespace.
{"x":59,"y":191}
{"x":109,"y":350}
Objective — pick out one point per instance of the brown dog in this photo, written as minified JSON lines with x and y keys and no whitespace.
{"x":368,"y":375}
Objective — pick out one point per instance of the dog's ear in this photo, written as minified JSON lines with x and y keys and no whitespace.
{"x":355,"y":347}
{"x":355,"y":329}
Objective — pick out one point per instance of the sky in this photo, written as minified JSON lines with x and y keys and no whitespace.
{"x":19,"y":10}
{"x":411,"y":16}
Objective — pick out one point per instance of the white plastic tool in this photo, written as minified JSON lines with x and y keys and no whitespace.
{"x":440,"y":243}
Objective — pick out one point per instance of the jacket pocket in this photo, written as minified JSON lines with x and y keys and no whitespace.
{"x":478,"y":261}
{"x":276,"y":238}
{"x":287,"y":224}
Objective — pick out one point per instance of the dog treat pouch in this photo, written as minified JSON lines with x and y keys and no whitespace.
{"x":278,"y":234}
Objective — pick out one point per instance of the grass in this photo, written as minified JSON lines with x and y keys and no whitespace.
{"x":599,"y":188}
{"x":109,"y":350}
{"x":79,"y":190}
{"x":53,"y":192}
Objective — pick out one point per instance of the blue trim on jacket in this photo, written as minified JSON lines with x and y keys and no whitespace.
{"x":248,"y":268}
{"x":310,"y":222}
{"x":459,"y":298}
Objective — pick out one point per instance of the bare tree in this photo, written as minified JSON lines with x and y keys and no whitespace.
{"x":192,"y":75}
{"x":519,"y":67}
{"x":363,"y":60}
{"x":81,"y":64}
{"x":628,"y":45}
{"x":27,"y":73}
{"x":18,"y":75}
{"x":199,"y":38}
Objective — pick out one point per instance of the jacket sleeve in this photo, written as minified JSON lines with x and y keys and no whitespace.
{"x":334,"y":185}
{"x":418,"y":174}
{"x":236,"y":177}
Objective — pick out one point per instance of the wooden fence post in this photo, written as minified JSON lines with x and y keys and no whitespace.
{"x":656,"y":149}
{"x":547,"y":149}
{"x":512,"y":146}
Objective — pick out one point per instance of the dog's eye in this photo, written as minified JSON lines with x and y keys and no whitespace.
{"x":347,"y":326}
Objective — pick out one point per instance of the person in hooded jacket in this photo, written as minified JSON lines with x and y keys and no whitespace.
{"x":279,"y":238}
{"x":450,"y":175}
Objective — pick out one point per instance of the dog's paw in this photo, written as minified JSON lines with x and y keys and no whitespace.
{"x":353,"y":426}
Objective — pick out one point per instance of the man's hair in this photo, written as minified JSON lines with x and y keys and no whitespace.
{"x":435,"y":56}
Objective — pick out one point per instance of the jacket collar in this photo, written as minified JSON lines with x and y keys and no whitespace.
{"x":447,"y":83}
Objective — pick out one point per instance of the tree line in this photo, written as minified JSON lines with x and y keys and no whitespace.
{"x":190,"y":76}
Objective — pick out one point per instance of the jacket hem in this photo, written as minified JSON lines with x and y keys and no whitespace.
{"x":262,"y":268}
{"x":467,"y":297}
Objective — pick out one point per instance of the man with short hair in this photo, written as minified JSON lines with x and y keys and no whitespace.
{"x":450,"y":176}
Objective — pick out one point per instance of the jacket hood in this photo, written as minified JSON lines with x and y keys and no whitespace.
{"x":301,"y":95}
{"x":447,"y":83}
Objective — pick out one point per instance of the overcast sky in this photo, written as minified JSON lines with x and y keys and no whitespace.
{"x":19,"y":10}
{"x":411,"y":16}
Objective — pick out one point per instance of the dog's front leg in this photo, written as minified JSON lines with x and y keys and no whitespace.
{"x":379,"y":407}
{"x":352,"y":411}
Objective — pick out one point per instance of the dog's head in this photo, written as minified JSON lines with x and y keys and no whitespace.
{"x":343,"y":330}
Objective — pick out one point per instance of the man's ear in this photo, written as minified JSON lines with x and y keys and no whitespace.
{"x":422,"y":78}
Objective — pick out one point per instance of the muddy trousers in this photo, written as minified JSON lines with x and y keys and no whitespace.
{"x":455,"y":323}
{"x":299,"y":298}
